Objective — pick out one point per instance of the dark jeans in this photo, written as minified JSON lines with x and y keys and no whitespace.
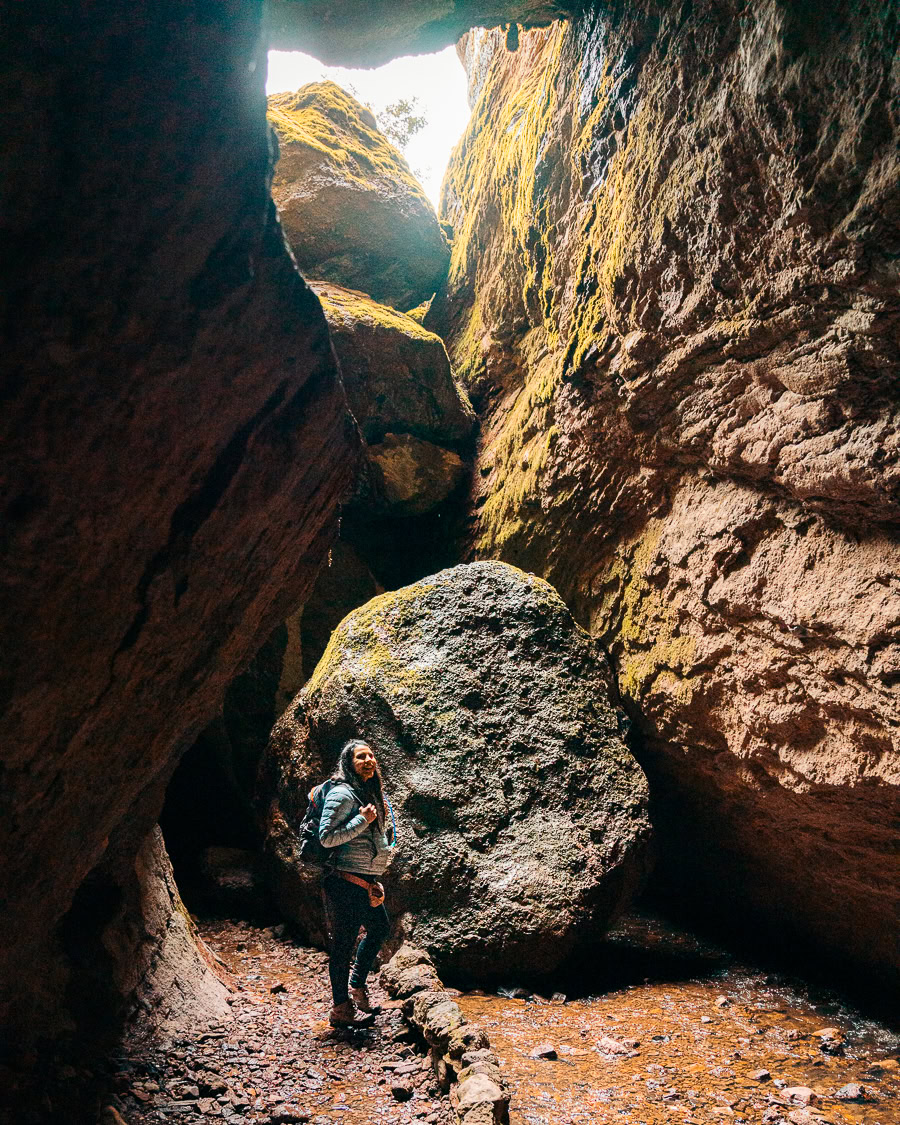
{"x":348,"y":909}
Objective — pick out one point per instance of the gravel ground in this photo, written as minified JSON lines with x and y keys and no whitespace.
{"x":279,"y":1061}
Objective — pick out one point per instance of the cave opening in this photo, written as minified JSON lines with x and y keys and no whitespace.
{"x":643,"y":360}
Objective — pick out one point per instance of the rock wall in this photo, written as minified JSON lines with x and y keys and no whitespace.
{"x":673,"y":298}
{"x":175,"y":436}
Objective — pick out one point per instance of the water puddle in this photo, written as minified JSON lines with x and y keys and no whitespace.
{"x":714,"y":1042}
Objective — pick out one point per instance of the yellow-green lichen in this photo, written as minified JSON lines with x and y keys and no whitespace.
{"x":351,"y":306}
{"x":497,"y":164}
{"x":326,"y":120}
{"x":360,"y":646}
{"x":640,"y":623}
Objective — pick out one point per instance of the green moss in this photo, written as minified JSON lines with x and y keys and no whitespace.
{"x":646,"y":628}
{"x":497,"y":164}
{"x":419,"y":313}
{"x":361,"y":641}
{"x":325,"y":119}
{"x":339,"y":302}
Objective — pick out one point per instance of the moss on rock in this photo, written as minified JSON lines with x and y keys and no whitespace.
{"x":522,"y":817}
{"x":352,"y":211}
{"x":396,"y":373}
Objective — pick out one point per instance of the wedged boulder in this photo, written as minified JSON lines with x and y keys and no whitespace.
{"x":352,"y":210}
{"x":414,"y":476}
{"x":521,"y":815}
{"x":396,"y":373}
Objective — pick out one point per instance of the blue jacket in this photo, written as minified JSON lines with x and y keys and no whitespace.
{"x":360,"y":847}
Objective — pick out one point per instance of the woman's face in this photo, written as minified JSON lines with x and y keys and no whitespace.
{"x":364,"y":762}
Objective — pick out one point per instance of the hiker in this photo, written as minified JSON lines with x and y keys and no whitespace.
{"x":357,"y":826}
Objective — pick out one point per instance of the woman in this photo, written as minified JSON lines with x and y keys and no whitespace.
{"x":357,"y":822}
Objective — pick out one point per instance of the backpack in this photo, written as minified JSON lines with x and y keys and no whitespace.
{"x":311,"y":851}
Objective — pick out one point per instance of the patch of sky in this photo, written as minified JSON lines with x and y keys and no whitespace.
{"x":434,"y":86}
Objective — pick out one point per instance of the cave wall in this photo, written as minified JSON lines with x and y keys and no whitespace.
{"x":673,"y":298}
{"x":175,"y":436}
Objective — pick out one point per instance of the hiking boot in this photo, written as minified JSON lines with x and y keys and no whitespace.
{"x":360,"y":997}
{"x":345,"y":1015}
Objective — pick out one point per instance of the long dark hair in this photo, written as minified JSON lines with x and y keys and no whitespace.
{"x":369,"y":792}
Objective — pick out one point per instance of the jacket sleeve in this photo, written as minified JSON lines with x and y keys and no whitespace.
{"x":334,"y":826}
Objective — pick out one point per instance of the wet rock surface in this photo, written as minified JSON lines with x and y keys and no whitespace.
{"x":643,"y":1038}
{"x":521,"y":815}
{"x":351,"y":209}
{"x":672,"y":297}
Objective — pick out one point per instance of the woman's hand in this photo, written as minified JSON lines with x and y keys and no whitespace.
{"x":369,"y":812}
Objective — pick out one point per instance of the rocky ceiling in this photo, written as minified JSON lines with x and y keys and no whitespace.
{"x":346,"y":33}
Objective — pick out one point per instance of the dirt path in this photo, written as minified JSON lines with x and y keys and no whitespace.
{"x":279,"y":1062}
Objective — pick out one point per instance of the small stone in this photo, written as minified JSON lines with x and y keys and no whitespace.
{"x":544,"y":1051}
{"x":831,"y":1040}
{"x":722,"y":1002}
{"x":852,"y":1092}
{"x":801,"y":1094}
{"x":559,"y":998}
{"x":288,"y":1115}
{"x":705,"y":1019}
{"x":611,"y":1046}
{"x":761,"y":1075}
{"x":278,"y":987}
{"x":111,"y":1116}
{"x":401,"y":1091}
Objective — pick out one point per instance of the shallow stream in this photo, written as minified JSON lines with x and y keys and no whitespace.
{"x":693,"y":1037}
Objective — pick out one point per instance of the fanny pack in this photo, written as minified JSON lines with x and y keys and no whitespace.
{"x":374,"y":890}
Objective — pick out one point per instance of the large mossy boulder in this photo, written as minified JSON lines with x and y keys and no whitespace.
{"x":351,"y":209}
{"x":521,"y":815}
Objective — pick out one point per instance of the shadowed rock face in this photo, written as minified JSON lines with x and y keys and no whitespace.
{"x":351,"y":34}
{"x":352,"y":210}
{"x":175,"y":437}
{"x":673,"y":297}
{"x":521,"y":815}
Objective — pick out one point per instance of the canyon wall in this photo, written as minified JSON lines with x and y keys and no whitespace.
{"x":175,"y":440}
{"x":673,"y":299}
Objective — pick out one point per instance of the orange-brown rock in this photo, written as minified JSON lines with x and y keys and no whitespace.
{"x":353,"y":212}
{"x":673,"y":297}
{"x":174,"y":434}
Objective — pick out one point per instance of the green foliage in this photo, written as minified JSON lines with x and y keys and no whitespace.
{"x":400,"y":122}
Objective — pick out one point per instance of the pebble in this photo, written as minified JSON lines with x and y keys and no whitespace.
{"x":544,"y":1051}
{"x":802,"y":1094}
{"x":761,"y":1075}
{"x":278,"y":1062}
{"x":852,"y":1092}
